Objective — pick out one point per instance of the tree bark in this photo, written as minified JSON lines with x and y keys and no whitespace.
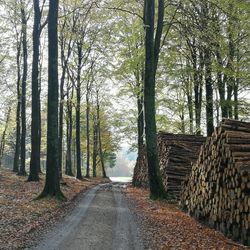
{"x":104,"y":175}
{"x":220,"y":81}
{"x":22,"y":170}
{"x":61,"y":106}
{"x":205,"y":17}
{"x":64,"y":62}
{"x":155,"y":180}
{"x":182,"y":116}
{"x":236,"y":89}
{"x":35,"y":117}
{"x":18,"y":110}
{"x":189,"y":88}
{"x":3,"y":139}
{"x":52,"y":184}
{"x":221,"y":85}
{"x":68,"y":168}
{"x":209,"y":92}
{"x":95,"y":142}
{"x":197,"y":84}
{"x":40,"y":122}
{"x":199,"y":92}
{"x":140,"y":111}
{"x":78,"y":113}
{"x":230,"y":64}
{"x":88,"y":131}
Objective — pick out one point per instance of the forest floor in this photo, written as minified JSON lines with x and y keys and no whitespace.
{"x":165,"y":226}
{"x":23,"y":220}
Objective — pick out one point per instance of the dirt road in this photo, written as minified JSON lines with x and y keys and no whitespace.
{"x":101,"y":221}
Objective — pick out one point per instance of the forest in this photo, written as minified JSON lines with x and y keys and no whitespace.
{"x":202,"y":75}
{"x":82,"y":78}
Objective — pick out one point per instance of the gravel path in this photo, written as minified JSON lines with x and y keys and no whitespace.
{"x":102,"y":220}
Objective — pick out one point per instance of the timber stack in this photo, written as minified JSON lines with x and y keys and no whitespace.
{"x":176,"y":153}
{"x":218,"y":188}
{"x":140,"y":176}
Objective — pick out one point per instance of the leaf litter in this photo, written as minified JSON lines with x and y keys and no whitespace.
{"x":22,"y":219}
{"x":165,"y":226}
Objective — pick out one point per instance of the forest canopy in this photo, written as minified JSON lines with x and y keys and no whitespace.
{"x":202,"y":75}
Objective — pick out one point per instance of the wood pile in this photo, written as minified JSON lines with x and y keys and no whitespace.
{"x":176,"y":153}
{"x":218,"y":188}
{"x":140,"y":176}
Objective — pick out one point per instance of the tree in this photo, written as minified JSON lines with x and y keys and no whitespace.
{"x":69,"y":119}
{"x":99,"y":135}
{"x":18,"y":108}
{"x":52,"y":183}
{"x":88,"y":92}
{"x":3,"y":139}
{"x":95,"y":145}
{"x":22,"y":170}
{"x":131,"y":70}
{"x":35,"y":116}
{"x":66,"y":46}
{"x":152,"y":49}
{"x":205,"y":16}
{"x":78,"y":111}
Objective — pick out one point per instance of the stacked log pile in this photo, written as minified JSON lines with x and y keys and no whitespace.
{"x":140,"y":176}
{"x":176,"y":152}
{"x":218,"y":188}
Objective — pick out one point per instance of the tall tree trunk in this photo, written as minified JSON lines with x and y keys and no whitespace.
{"x":190,"y":112}
{"x":140,"y":111}
{"x":40,"y":123}
{"x":220,"y":81}
{"x":217,"y":107}
{"x":230,"y":64}
{"x":200,"y":91}
{"x":68,"y":168}
{"x":22,"y":170}
{"x":205,"y":18}
{"x":152,"y":54}
{"x":88,"y":131}
{"x":18,"y":110}
{"x":64,"y":62}
{"x":140,"y":122}
{"x":236,"y":89}
{"x":3,"y":139}
{"x":104,"y":175}
{"x":196,"y":83}
{"x":236,"y":99}
{"x":95,"y":143}
{"x":230,"y":86}
{"x":78,"y":113}
{"x":88,"y":92}
{"x":209,"y":92}
{"x":198,"y":79}
{"x":221,"y":84}
{"x":189,"y":103}
{"x":52,"y":184}
{"x":61,"y":106}
{"x":74,"y":157}
{"x":35,"y":119}
{"x":182,"y":116}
